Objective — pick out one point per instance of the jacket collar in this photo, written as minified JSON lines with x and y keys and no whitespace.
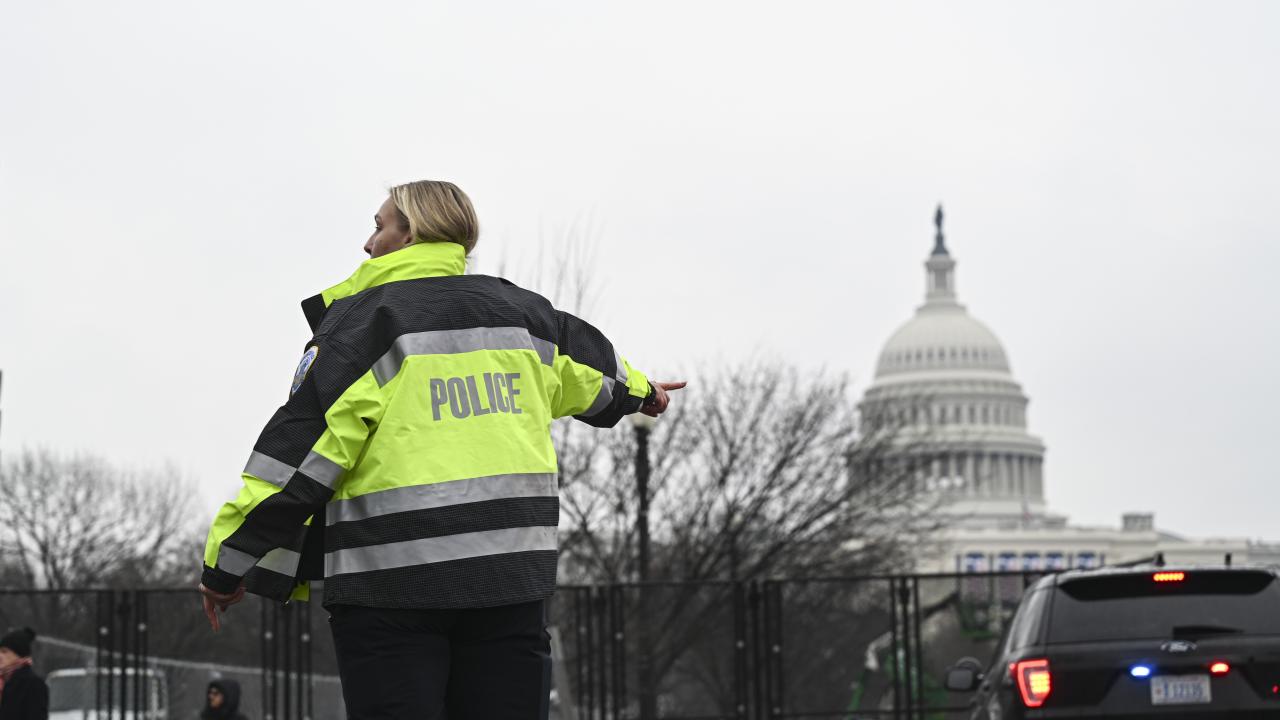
{"x":420,"y":260}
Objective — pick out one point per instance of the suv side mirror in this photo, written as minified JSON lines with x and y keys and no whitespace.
{"x":964,"y":676}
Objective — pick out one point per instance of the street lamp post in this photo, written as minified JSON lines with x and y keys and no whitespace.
{"x":648,"y":700}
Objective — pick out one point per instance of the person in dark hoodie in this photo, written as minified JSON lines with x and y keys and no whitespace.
{"x":23,"y":694}
{"x":222,"y":701}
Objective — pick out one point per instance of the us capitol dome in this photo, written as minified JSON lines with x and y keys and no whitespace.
{"x":945,"y":376}
{"x":945,"y":380}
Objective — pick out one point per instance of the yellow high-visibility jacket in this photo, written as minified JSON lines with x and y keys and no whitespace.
{"x":412,"y":466}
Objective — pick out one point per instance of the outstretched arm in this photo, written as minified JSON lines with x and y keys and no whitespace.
{"x":296,"y":465}
{"x":596,"y":384}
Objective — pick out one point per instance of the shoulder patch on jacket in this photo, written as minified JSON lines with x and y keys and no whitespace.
{"x":304,"y":366}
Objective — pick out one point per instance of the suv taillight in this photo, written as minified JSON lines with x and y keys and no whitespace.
{"x":1034,"y":681}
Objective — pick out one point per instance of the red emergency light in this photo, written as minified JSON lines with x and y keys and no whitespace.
{"x":1034,"y":681}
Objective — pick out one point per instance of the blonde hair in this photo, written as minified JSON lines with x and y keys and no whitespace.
{"x":437,"y":211}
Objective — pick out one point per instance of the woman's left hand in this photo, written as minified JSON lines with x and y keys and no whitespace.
{"x":216,"y":602}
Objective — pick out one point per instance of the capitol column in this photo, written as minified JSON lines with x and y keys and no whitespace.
{"x":982,"y":474}
{"x":993,"y":463}
{"x":990,"y":477}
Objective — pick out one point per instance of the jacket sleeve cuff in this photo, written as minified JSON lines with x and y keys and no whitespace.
{"x":653,"y":393}
{"x":632,"y":404}
{"x":219,"y":581}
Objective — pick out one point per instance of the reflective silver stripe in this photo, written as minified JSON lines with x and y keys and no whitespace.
{"x":265,"y":467}
{"x":622,"y":368}
{"x":546,"y":350}
{"x":456,"y":492}
{"x":603,"y":399}
{"x":439,"y":549}
{"x":444,"y":342}
{"x":315,"y":466}
{"x":281,"y":560}
{"x":321,"y":469}
{"x":234,"y":561}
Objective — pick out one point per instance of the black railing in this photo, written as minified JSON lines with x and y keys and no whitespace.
{"x":862,"y":647}
{"x":856,"y":647}
{"x":150,"y":653}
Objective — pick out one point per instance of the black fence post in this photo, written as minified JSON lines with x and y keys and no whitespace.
{"x":138,"y":629}
{"x":618,"y":658}
{"x":775,"y":688}
{"x":307,"y":687}
{"x":604,"y":648}
{"x":648,"y":692}
{"x":124,"y":610}
{"x":263,"y":642}
{"x":270,"y":659}
{"x":124,"y":639}
{"x":765,"y":652}
{"x":758,"y":650}
{"x":290,"y":650}
{"x":103,"y":653}
{"x":109,"y":631}
{"x":904,"y":665}
{"x":580,"y":658}
{"x":740,"y":696}
{"x":590,"y":655}
{"x":894,"y":647}
{"x":919,"y":651}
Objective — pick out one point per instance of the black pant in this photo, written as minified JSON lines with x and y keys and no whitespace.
{"x":490,"y":664}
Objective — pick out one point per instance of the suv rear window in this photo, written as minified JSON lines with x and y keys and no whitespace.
{"x":1189,"y":605}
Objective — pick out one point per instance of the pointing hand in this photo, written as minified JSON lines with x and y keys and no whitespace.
{"x":658,"y":405}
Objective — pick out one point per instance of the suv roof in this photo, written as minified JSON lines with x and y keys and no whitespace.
{"x":1067,"y":575}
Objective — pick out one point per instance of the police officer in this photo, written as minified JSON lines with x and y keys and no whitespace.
{"x":412,"y":470}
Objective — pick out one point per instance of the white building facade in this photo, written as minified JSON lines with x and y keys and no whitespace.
{"x":946,"y":378}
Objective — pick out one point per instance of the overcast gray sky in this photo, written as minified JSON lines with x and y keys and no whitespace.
{"x":176,"y":176}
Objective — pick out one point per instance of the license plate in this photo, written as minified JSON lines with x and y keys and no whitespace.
{"x":1180,"y":690}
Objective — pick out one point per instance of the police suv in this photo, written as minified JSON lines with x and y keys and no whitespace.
{"x":1185,"y":642}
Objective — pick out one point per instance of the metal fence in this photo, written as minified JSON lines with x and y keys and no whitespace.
{"x":863,"y":647}
{"x":150,"y":654}
{"x":860,"y":647}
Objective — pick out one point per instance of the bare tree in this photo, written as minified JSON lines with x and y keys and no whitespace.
{"x":760,"y":472}
{"x":79,"y":522}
